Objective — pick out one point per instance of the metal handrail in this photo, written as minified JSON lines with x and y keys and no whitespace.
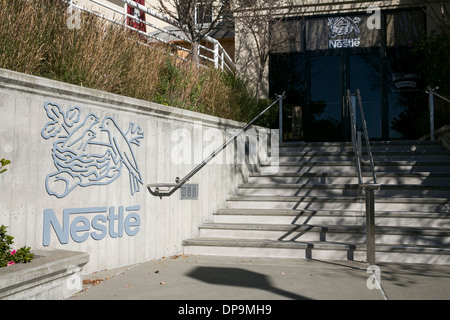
{"x":356,"y":146}
{"x":366,"y":135}
{"x":355,"y":139}
{"x":432,"y":91}
{"x":172,"y":187}
{"x":370,"y":187}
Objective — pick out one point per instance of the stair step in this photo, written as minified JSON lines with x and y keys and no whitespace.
{"x":274,"y":249}
{"x":348,"y":151}
{"x":333,"y":233}
{"x":310,"y":206}
{"x":285,"y":189}
{"x":331,"y":217}
{"x":315,"y":250}
{"x":350,"y":166}
{"x":422,"y":178}
{"x":385,"y":155}
{"x":375,"y":146}
{"x":314,"y":189}
{"x":338,"y":202}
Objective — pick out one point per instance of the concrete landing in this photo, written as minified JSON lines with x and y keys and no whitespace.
{"x":191,"y":277}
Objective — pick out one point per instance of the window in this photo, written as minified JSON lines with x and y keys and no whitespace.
{"x":138,"y":20}
{"x":200,"y":12}
{"x":405,"y":27}
{"x":204,"y":12}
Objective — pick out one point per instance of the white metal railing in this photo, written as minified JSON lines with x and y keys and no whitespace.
{"x":218,"y":55}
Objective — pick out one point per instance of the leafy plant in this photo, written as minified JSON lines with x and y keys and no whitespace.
{"x":3,"y":163}
{"x":10,"y":256}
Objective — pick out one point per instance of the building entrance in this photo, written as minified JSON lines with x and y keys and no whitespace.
{"x":331,"y":75}
{"x":333,"y":54}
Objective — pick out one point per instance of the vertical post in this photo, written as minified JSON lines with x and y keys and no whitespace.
{"x":431,"y":103}
{"x":280,"y":113}
{"x":125,"y":13}
{"x":198,"y":54}
{"x":370,"y":225}
{"x":216,"y":55}
{"x":359,"y":143}
{"x":353,"y":106}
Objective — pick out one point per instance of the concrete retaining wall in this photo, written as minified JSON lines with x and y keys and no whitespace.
{"x":81,"y":160}
{"x":52,"y":274}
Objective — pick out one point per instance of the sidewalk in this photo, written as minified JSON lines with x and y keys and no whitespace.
{"x":235,"y":278}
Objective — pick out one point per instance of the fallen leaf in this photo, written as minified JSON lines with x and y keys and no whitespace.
{"x":93,"y":282}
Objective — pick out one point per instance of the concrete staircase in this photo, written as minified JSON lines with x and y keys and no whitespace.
{"x":311,"y":207}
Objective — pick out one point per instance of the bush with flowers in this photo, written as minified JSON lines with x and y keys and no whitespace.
{"x":10,"y":256}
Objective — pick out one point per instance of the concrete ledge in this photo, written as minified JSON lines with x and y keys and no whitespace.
{"x":45,"y":87}
{"x":51,"y":275}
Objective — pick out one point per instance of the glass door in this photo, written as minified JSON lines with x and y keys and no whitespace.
{"x":365,"y":75}
{"x":330,"y":77}
{"x":325,"y":99}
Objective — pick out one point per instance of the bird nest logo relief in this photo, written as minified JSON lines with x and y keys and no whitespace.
{"x":89,"y":151}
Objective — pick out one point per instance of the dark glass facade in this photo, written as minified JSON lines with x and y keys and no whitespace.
{"x":327,"y":55}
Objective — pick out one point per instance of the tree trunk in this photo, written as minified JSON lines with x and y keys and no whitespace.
{"x":195,"y":51}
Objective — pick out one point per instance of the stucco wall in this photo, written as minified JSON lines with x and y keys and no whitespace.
{"x":63,"y":178}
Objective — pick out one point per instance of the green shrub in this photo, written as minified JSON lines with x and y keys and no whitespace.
{"x":9,"y":256}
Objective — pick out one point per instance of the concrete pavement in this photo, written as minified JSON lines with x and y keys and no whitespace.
{"x":191,"y":277}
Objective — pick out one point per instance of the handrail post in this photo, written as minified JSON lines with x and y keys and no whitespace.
{"x":280,"y":120}
{"x":431,"y":105}
{"x":370,"y":224}
{"x":351,"y":101}
{"x":431,"y":92}
{"x":353,"y":106}
{"x":359,"y":144}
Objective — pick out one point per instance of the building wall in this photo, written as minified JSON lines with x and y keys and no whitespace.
{"x":44,"y":184}
{"x":119,"y":6}
{"x":247,"y":57}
